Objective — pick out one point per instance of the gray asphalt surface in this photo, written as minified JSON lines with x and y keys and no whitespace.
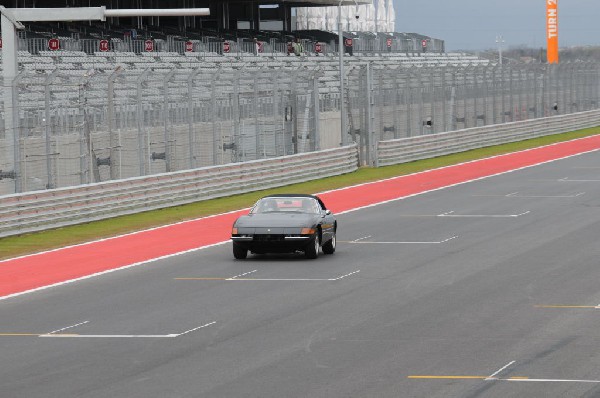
{"x":462,"y":292}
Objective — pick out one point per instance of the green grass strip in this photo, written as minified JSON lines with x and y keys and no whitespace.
{"x":40,"y":241}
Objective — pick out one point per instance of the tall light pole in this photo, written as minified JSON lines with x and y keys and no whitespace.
{"x":341,"y":57}
{"x":500,"y":41}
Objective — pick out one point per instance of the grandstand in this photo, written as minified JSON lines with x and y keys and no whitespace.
{"x":188,"y":43}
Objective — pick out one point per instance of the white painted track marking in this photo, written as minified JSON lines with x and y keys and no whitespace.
{"x":364,"y":237}
{"x":129,"y":336}
{"x":197,"y":328}
{"x":237,"y":276}
{"x":68,"y":327}
{"x":516,"y":195}
{"x":403,"y":242}
{"x":553,"y":380}
{"x":566,"y":179}
{"x":109,"y":336}
{"x":294,"y":279}
{"x":493,"y":375}
{"x":343,"y":276}
{"x":451,"y":214}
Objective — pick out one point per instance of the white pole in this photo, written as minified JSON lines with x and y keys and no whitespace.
{"x":9,"y":64}
{"x":341,"y":56}
{"x":499,"y":40}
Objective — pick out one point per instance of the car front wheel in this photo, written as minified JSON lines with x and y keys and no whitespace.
{"x":312,"y":251}
{"x":239,"y":252}
{"x":329,"y":247}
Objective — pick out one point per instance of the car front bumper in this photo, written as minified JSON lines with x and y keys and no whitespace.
{"x":273,"y":243}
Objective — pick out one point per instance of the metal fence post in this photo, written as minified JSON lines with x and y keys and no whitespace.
{"x":316,"y":114}
{"x":111,"y":116}
{"x":166,"y":135}
{"x":294,"y":101}
{"x":255,"y":111}
{"x":47,"y":129}
{"x":370,"y":116}
{"x":214,"y":115}
{"x":236,"y":116}
{"x":396,"y":104}
{"x":16,"y":133}
{"x":190,"y":116}
{"x":142,"y":145}
{"x":432,"y":100}
{"x":409,"y":102}
{"x":419,"y":74}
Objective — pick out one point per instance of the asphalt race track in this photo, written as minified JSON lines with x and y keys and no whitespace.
{"x":485,"y":289}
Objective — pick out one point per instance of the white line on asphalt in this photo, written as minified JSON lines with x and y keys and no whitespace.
{"x":405,"y":242}
{"x":566,"y":179}
{"x":451,"y":214}
{"x":293,"y":279}
{"x":237,"y":276}
{"x":343,"y":276}
{"x":493,"y":375}
{"x":68,"y":327}
{"x":129,"y":336}
{"x":554,"y":380}
{"x":109,"y":336}
{"x":514,"y":195}
{"x":364,"y":237}
{"x":197,"y":328}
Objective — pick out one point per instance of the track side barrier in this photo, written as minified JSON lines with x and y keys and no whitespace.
{"x":428,"y":146}
{"x":36,"y":211}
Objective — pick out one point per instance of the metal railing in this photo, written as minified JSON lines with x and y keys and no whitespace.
{"x":402,"y":43}
{"x":428,"y":146}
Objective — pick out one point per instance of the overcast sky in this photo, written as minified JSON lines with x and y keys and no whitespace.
{"x":474,"y":24}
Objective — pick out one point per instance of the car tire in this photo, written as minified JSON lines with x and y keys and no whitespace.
{"x":239,"y":252}
{"x":312,"y":251}
{"x":329,"y":247}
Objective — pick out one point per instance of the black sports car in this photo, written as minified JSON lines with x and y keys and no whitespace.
{"x":285,"y":224}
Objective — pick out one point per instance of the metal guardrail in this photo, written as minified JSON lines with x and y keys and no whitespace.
{"x":36,"y":211}
{"x":427,"y":146}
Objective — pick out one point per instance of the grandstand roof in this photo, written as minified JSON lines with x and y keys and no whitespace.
{"x":177,"y":3}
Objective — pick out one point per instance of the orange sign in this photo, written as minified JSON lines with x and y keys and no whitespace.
{"x":552,"y":30}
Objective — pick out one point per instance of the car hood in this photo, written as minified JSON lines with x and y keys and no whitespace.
{"x":277,"y":220}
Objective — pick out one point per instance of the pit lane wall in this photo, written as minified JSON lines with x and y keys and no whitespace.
{"x":428,"y":146}
{"x":36,"y":211}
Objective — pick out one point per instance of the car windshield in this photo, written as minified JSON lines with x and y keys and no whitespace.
{"x":285,"y":204}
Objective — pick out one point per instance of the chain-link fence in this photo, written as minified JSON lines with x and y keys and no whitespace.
{"x":77,"y":127}
{"x":80,"y":128}
{"x":387,"y":103}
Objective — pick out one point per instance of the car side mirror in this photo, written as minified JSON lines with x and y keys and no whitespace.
{"x":327,"y":212}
